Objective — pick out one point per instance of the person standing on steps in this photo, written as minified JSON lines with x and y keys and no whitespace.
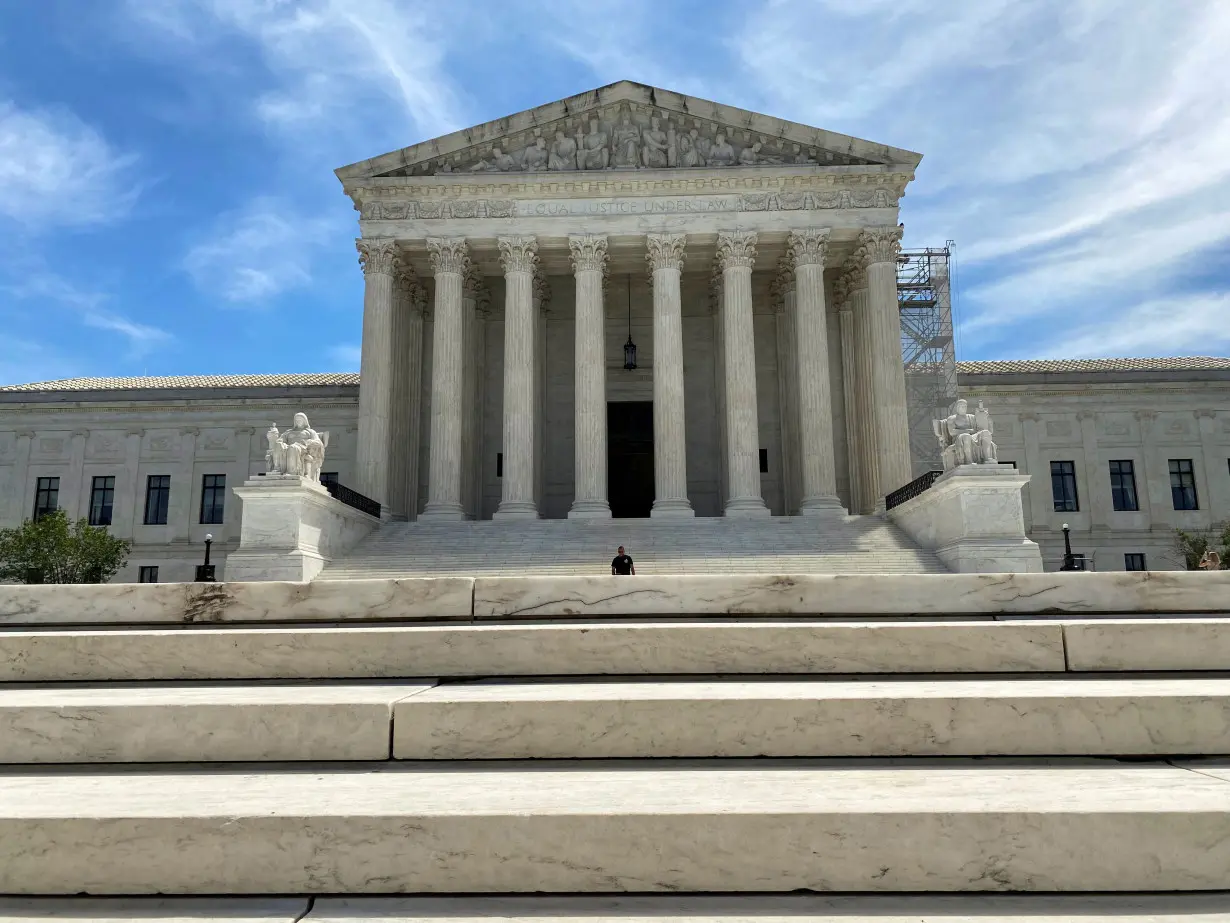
{"x":622,"y":564}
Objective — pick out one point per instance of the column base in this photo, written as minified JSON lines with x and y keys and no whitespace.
{"x":821,"y":506}
{"x":516,"y":509}
{"x":443,"y":512}
{"x":746,"y":507}
{"x":590,"y":509}
{"x":672,"y":509}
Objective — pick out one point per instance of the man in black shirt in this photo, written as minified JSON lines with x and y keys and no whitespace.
{"x":622,"y":563}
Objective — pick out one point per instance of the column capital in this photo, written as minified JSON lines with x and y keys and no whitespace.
{"x":588,"y":252}
{"x":665,"y":251}
{"x":474,"y":286}
{"x":378,"y":255}
{"x":853,"y":278}
{"x":736,"y":249}
{"x":405,"y":280}
{"x":783,"y":282}
{"x":448,"y":254}
{"x":877,"y":245}
{"x":542,"y":290}
{"x":518,"y":254}
{"x":808,"y":246}
{"x":841,"y":291}
{"x":715,"y":289}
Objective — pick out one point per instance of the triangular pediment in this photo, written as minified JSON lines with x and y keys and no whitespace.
{"x":627,"y":126}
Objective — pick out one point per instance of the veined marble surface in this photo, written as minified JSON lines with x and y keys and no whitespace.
{"x":886,"y":594}
{"x":153,"y":909}
{"x":815,"y":718}
{"x":179,"y":723}
{"x":593,"y":826}
{"x":120,"y":603}
{"x":782,"y":908}
{"x":1148,"y":644}
{"x":518,"y":649}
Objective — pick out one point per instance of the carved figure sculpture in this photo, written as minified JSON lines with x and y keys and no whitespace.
{"x":627,"y":143}
{"x":563,"y":154}
{"x":722,"y":154}
{"x":535,"y":157}
{"x":703,"y":147}
{"x":593,"y":153}
{"x":688,"y":155}
{"x":298,"y":452}
{"x":964,"y":437}
{"x":656,"y":147}
{"x":750,"y":156}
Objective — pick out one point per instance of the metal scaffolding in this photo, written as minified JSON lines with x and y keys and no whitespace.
{"x":924,"y":296}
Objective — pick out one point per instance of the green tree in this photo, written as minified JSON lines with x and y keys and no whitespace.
{"x":1191,"y":546}
{"x":51,"y":549}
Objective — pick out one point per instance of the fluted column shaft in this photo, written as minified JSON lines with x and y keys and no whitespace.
{"x":589,"y":254}
{"x":542,"y":298}
{"x":378,"y":257}
{"x":670,"y":467}
{"x":406,"y":397}
{"x":736,"y":255}
{"x":849,"y":396}
{"x":878,"y":248}
{"x":518,"y":256}
{"x":864,"y":424}
{"x":449,"y":262}
{"x":807,"y":251}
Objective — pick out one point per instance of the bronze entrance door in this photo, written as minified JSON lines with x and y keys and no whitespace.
{"x":630,"y":458}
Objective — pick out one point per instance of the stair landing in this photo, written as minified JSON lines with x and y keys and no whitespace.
{"x":778,"y":545}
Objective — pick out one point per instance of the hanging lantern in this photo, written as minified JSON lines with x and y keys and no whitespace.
{"x":629,"y":347}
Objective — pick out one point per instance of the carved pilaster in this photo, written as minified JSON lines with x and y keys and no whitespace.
{"x":377,"y":255}
{"x":877,"y":245}
{"x":589,"y":252}
{"x":807,"y":247}
{"x":665,"y":251}
{"x":736,"y":249}
{"x":448,"y":254}
{"x":542,"y":291}
{"x":518,"y":254}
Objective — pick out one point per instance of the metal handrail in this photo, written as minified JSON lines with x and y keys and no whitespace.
{"x":912,"y":489}
{"x":352,"y":498}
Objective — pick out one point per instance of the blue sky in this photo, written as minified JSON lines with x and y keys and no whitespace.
{"x":167,"y":201}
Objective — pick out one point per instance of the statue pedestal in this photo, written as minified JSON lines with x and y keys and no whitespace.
{"x":290,"y":529}
{"x":972,"y":518}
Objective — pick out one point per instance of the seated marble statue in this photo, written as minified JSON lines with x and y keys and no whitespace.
{"x":964,"y":437}
{"x":298,"y":452}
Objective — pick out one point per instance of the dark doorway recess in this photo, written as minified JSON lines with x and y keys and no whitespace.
{"x":629,"y":435}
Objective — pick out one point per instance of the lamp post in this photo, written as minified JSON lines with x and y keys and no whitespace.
{"x":205,"y":572}
{"x":1069,"y":560}
{"x":629,"y":347}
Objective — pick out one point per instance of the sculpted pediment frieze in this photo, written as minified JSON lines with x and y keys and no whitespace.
{"x":626,"y":136}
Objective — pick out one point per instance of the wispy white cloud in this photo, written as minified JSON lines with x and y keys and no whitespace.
{"x":256,"y":254}
{"x":56,"y":170}
{"x":1194,"y":324}
{"x":142,"y":338}
{"x":1075,"y":149}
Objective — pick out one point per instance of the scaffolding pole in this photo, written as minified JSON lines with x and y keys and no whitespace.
{"x":924,"y":296}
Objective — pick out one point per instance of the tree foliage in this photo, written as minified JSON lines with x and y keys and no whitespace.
{"x":53,"y":550}
{"x":1191,"y":546}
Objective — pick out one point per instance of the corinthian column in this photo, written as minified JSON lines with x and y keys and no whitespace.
{"x":736,"y":253}
{"x":877,"y":252}
{"x":449,"y":261}
{"x":670,"y":467}
{"x":407,"y":353}
{"x":589,"y":438}
{"x":379,"y":260}
{"x":861,"y":424}
{"x":807,"y":250}
{"x":845,"y":314}
{"x":518,"y":256}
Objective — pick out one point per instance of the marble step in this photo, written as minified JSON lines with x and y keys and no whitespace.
{"x":615,"y":719}
{"x":197,"y":723}
{"x":815,"y":718}
{"x":584,"y":648}
{"x":636,"y":908}
{"x":572,"y":827}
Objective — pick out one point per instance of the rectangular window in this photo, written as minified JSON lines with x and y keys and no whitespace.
{"x":147,"y":574}
{"x":764,"y":461}
{"x":46,"y":497}
{"x":1183,"y":484}
{"x":1063,"y":486}
{"x":157,"y":499}
{"x":213,"y":498}
{"x":1134,"y":561}
{"x":102,"y":499}
{"x":1123,"y":486}
{"x":328,"y":477}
